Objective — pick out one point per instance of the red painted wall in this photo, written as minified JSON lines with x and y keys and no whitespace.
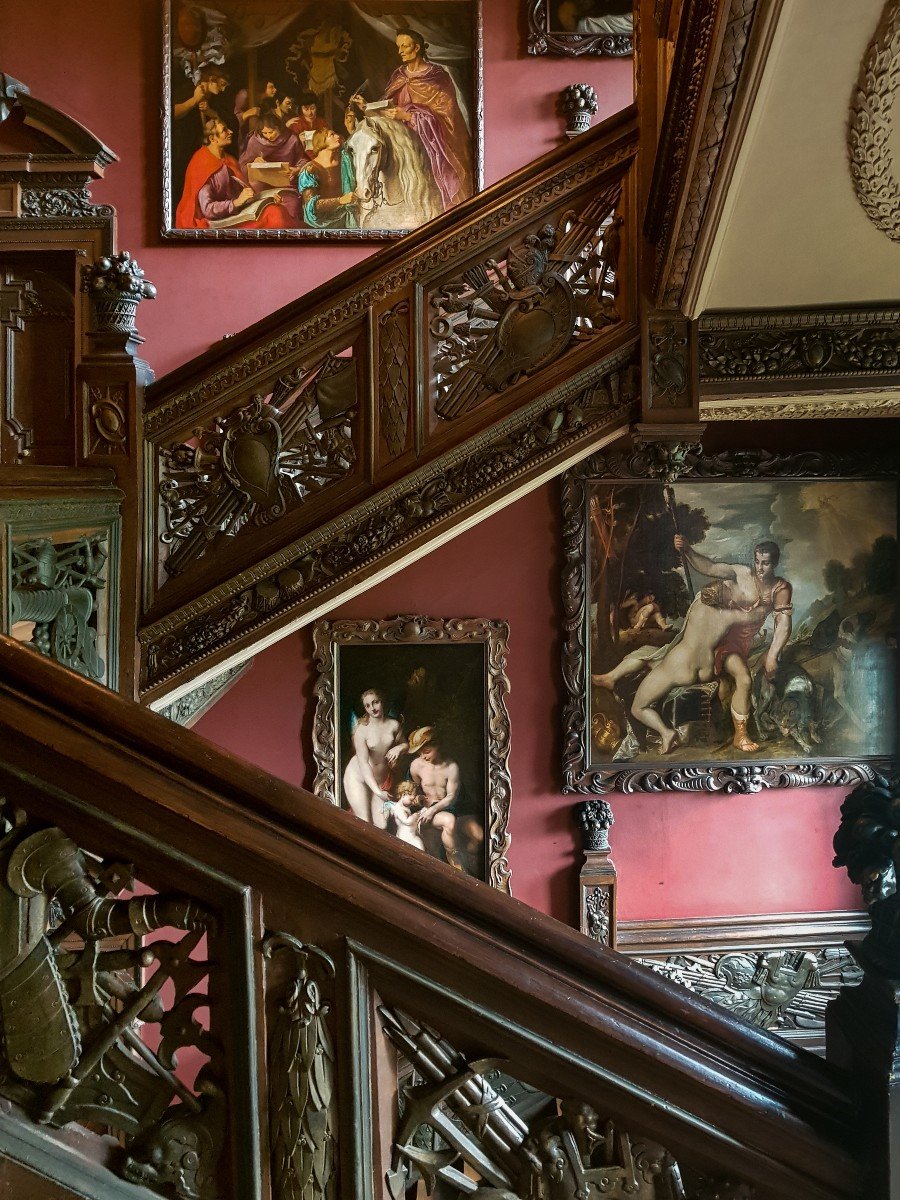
{"x":101,"y":64}
{"x":677,"y":856}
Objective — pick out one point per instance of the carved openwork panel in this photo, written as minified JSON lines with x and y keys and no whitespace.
{"x":260,"y":460}
{"x":61,"y":583}
{"x":467,"y":1128}
{"x":109,"y":995}
{"x":38,"y":330}
{"x":511,"y":314}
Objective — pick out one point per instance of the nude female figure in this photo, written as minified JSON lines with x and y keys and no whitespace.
{"x":378,"y":742}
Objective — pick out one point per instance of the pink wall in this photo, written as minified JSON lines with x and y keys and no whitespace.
{"x":101,"y":64}
{"x":677,"y":856}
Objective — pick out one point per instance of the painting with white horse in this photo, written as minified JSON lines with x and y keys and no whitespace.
{"x":394,"y":186}
{"x":320,"y":118}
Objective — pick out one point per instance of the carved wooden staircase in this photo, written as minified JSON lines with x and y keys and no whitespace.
{"x":313,"y":963}
{"x":360,"y":425}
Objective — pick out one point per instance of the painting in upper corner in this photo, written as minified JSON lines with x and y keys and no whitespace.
{"x":575,"y":27}
{"x":412,"y":734}
{"x":734,"y":629}
{"x":300,"y":119}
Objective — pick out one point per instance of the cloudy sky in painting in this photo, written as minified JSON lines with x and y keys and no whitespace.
{"x":811,"y":522}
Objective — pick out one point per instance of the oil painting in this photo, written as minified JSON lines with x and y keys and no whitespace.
{"x":319,"y":118}
{"x":576,"y":27}
{"x":412,"y":734}
{"x":737,"y":631}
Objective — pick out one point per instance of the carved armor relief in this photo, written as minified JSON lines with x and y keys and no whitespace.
{"x":108,"y":1002}
{"x":259,"y":461}
{"x":469,"y":1129}
{"x":509,"y":316}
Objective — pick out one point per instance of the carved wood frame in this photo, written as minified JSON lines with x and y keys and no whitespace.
{"x":330,"y":636}
{"x":643,"y":464}
{"x":543,"y":40}
{"x":304,"y":234}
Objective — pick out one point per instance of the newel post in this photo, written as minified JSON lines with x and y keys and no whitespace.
{"x":597,"y":881}
{"x":863,"y":1023}
{"x":111,"y":382}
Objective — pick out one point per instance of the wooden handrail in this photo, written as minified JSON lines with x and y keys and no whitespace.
{"x":505,"y":325}
{"x":732,"y":1098}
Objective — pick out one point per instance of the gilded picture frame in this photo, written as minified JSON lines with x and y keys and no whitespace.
{"x":759,"y":651}
{"x":573,"y":28}
{"x":411,"y":732}
{"x":318,"y":119}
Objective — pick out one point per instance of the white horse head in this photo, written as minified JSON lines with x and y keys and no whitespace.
{"x":394,"y":181}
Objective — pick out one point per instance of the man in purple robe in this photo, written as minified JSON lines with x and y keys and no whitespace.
{"x":273,"y":143}
{"x":423,"y":95}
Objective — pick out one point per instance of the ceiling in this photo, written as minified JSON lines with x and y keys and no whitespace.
{"x":792,"y":232}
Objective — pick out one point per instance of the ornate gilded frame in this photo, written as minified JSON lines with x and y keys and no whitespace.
{"x":169,"y":203}
{"x":330,"y":637}
{"x":582,"y":772}
{"x":542,"y":39}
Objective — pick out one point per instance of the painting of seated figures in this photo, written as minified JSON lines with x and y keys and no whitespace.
{"x":319,"y":118}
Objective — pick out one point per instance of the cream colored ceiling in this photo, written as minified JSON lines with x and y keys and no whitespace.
{"x":792,"y":231}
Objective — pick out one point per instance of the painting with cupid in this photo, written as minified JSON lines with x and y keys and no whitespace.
{"x":738,"y":633}
{"x":412,"y":734}
{"x":319,"y":118}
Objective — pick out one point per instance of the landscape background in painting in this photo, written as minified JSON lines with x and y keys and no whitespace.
{"x":443,"y":686}
{"x":332,"y":49}
{"x":836,"y":688}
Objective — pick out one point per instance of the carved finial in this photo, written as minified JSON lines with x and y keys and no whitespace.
{"x":116,"y":286}
{"x":595,"y":818}
{"x":867,"y":843}
{"x":578,"y":103}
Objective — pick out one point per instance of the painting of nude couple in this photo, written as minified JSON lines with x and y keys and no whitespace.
{"x":412,"y":735}
{"x":319,"y":118}
{"x":749,"y":621}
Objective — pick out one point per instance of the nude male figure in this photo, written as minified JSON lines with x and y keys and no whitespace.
{"x":437,"y":778}
{"x":718,"y":632}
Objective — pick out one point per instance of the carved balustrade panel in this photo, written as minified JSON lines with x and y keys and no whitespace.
{"x":274,"y":453}
{"x":551,"y":303}
{"x":58,"y":588}
{"x":117,"y":1007}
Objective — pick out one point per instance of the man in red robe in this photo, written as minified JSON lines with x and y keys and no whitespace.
{"x":217,"y":196}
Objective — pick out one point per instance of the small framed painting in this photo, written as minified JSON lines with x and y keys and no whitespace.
{"x":731,"y":621}
{"x":318,"y":118}
{"x":576,"y":27}
{"x":412,"y":734}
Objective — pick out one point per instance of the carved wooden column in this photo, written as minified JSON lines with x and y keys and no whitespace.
{"x":863,"y":1023}
{"x":597,"y":881}
{"x":110,"y":385}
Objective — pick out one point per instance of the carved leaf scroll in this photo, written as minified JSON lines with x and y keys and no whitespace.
{"x":259,"y":460}
{"x":503,"y":319}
